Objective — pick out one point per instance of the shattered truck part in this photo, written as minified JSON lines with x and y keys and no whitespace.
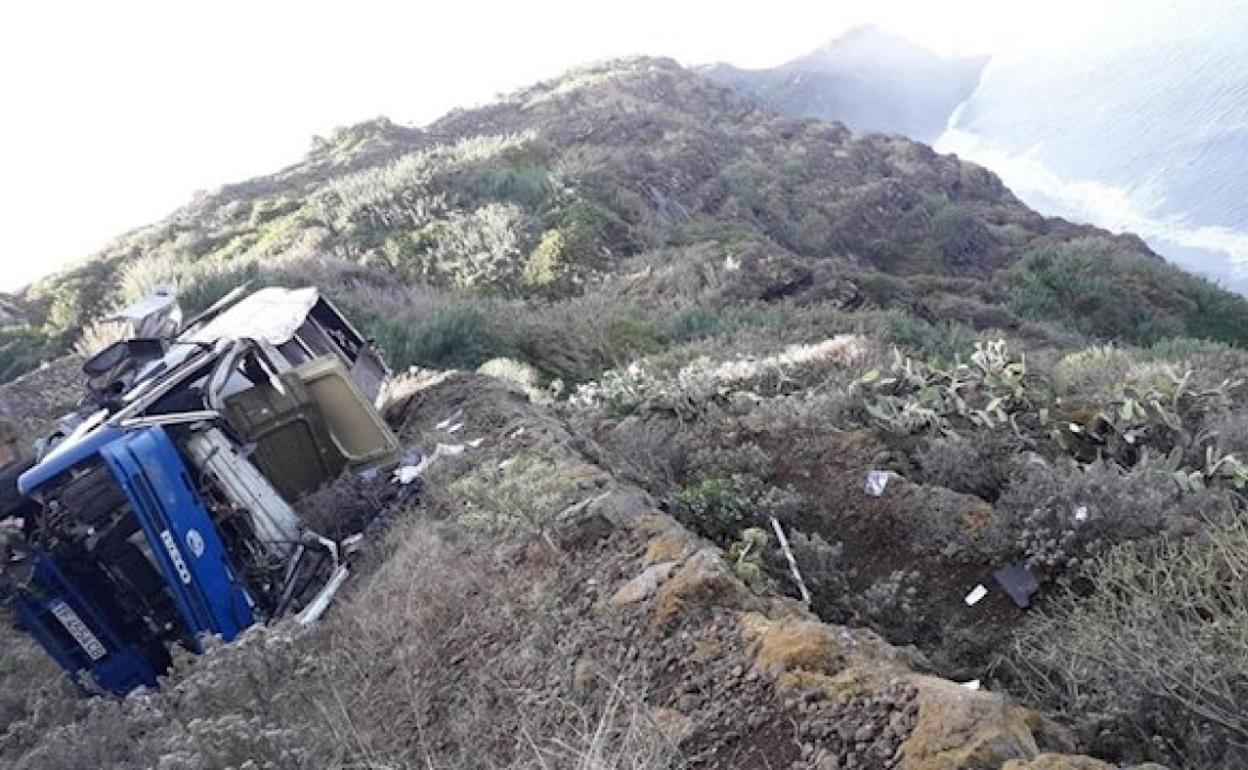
{"x":272,"y":518}
{"x":163,"y":512}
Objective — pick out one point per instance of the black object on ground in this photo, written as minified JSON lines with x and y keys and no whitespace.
{"x":1018,"y":582}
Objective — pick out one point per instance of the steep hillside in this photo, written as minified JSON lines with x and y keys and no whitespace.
{"x":621,"y":165}
{"x":868,"y":79}
{"x":746,"y":322}
{"x":531,"y":609}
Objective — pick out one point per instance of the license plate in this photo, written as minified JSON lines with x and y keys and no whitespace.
{"x":77,"y":629}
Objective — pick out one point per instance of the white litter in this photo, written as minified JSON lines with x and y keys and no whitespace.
{"x":449,"y":421}
{"x":977,"y":593}
{"x":456,"y":428}
{"x":1081,"y":513}
{"x":316,"y":608}
{"x":971,"y":685}
{"x":876,"y":482}
{"x":476,"y":442}
{"x":406,"y":474}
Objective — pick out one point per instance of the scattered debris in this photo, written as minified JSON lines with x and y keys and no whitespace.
{"x":406,"y":474}
{"x":788,"y":554}
{"x":976,"y":595}
{"x":877,"y":481}
{"x":1081,"y":513}
{"x":1018,"y":583}
{"x":455,"y":417}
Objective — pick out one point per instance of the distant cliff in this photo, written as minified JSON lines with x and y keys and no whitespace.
{"x":868,"y":79}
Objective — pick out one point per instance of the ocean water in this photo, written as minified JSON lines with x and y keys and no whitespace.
{"x":1137,"y":122}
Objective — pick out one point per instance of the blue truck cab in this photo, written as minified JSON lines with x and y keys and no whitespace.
{"x":155,"y":573}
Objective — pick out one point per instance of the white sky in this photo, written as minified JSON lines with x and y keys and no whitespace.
{"x":113,"y":113}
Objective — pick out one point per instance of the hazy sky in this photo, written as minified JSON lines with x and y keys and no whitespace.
{"x":115,"y":112}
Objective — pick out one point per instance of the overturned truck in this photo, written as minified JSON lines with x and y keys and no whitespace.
{"x":164,"y":511}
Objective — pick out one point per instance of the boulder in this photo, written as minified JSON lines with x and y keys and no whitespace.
{"x":644,"y":585}
{"x":961,"y":729}
{"x":704,"y":581}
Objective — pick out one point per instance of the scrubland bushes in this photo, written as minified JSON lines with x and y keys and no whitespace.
{"x":1108,"y":292}
{"x":1112,"y":474}
{"x":1152,"y":662}
{"x":1058,"y":518}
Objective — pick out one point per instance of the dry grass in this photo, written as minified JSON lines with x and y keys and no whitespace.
{"x":443,"y":657}
{"x":1156,"y":659}
{"x":99,"y":335}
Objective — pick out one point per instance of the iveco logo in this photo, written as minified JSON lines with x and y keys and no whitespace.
{"x":195,"y":542}
{"x":179,"y":563}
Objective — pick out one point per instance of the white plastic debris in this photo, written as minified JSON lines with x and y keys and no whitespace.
{"x":476,"y":442}
{"x":451,"y":420}
{"x":456,"y":428}
{"x":1081,"y":513}
{"x":976,"y":595}
{"x":876,"y":482}
{"x":971,"y":685}
{"x":406,"y":474}
{"x":316,"y":608}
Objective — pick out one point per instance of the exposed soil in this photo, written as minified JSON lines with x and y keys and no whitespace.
{"x":878,"y":535}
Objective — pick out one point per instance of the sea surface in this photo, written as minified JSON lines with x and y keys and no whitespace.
{"x":1138,"y":122}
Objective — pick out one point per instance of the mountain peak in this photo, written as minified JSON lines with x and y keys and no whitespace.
{"x":869,"y":78}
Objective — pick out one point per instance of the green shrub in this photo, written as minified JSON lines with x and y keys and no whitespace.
{"x":528,"y":185}
{"x":23,"y":349}
{"x":523,"y":497}
{"x":943,"y":342}
{"x":1216,"y":314}
{"x":719,"y":508}
{"x":693,"y":324}
{"x":980,"y":464}
{"x":454,"y":337}
{"x":631,"y":334}
{"x":1077,"y":287}
{"x":546,"y":262}
{"x":1099,"y":289}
